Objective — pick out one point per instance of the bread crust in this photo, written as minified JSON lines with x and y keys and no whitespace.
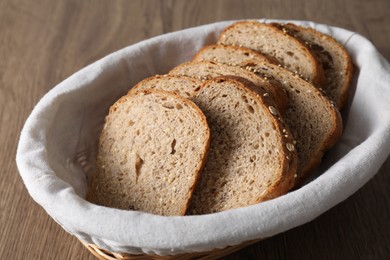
{"x":249,"y":53}
{"x":186,"y":92}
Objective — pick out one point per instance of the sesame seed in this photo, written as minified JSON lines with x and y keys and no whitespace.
{"x":273,"y":110}
{"x":290,"y":147}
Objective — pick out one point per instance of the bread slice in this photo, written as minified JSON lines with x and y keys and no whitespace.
{"x":332,"y":56}
{"x":314,"y":121}
{"x":151,"y":150}
{"x":204,"y":70}
{"x":181,"y":85}
{"x":270,"y":41}
{"x":252,"y":156}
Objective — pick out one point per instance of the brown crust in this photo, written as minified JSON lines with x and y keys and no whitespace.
{"x":317,"y":70}
{"x":256,"y":54}
{"x":288,"y":157}
{"x":165,"y":76}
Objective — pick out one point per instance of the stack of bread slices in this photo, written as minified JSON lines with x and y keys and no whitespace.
{"x":246,"y":120}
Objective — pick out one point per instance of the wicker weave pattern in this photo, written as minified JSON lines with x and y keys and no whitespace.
{"x":214,"y":254}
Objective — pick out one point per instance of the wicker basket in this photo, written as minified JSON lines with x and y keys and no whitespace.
{"x":214,"y":254}
{"x":53,"y":155}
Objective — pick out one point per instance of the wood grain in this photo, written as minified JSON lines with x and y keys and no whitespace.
{"x":43,"y":42}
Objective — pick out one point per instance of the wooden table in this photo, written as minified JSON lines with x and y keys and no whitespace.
{"x":42,"y":42}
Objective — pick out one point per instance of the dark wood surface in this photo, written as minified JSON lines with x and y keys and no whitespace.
{"x":42,"y":42}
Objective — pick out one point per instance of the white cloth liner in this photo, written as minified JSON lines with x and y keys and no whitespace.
{"x":58,"y":142}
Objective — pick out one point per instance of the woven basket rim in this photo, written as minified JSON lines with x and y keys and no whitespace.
{"x":104,"y":254}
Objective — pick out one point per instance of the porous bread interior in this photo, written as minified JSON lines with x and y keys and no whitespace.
{"x":151,"y":150}
{"x":246,"y":149}
{"x":272,"y":42}
{"x":181,"y":85}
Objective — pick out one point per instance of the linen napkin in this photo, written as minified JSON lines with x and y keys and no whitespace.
{"x":58,"y":143}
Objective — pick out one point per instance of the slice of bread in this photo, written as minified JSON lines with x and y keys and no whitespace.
{"x":272,"y":42}
{"x":204,"y":70}
{"x":181,"y":85}
{"x":314,"y":121}
{"x":151,"y":150}
{"x":252,"y":156}
{"x":332,"y":56}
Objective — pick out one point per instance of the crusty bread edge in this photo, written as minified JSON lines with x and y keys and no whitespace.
{"x":146,"y":80}
{"x":236,"y":48}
